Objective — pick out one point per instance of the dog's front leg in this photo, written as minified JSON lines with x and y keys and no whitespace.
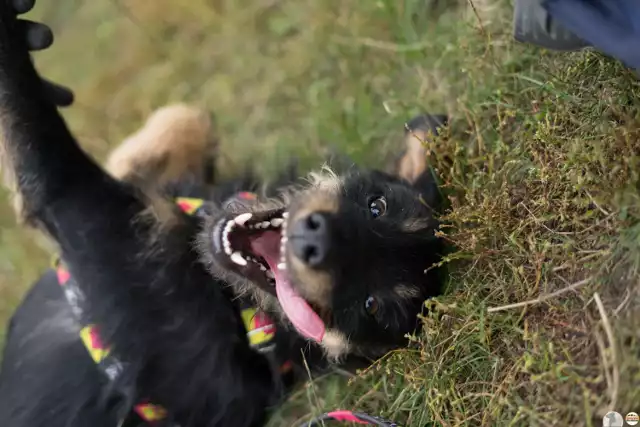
{"x":182,"y":341}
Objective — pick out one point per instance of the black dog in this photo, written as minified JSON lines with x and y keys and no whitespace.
{"x":341,"y":260}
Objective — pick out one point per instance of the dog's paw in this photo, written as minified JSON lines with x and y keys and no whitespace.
{"x":172,"y":144}
{"x":35,"y":36}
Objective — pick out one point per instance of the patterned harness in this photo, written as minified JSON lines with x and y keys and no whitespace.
{"x":260,"y":328}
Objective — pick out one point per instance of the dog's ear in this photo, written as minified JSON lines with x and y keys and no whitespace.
{"x":413,"y":164}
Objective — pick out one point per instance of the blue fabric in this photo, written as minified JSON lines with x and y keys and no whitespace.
{"x":611,"y":26}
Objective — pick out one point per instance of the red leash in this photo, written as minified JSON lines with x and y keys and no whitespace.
{"x":349,"y":416}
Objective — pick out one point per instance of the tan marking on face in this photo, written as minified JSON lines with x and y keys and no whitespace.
{"x":405,"y":291}
{"x":323,"y":195}
{"x":335,"y":344}
{"x":315,"y":201}
{"x":314,"y":285}
{"x":415,"y":224}
{"x":325,"y":179}
{"x":173,"y":142}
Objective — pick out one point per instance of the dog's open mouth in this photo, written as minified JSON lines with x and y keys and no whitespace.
{"x":253,"y":245}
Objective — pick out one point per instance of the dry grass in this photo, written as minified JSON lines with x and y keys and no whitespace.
{"x":541,"y":164}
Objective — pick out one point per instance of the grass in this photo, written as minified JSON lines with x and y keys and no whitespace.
{"x":541,"y":162}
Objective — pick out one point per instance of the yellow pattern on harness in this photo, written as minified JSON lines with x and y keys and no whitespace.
{"x":260,"y":329}
{"x":150,"y":413}
{"x":189,"y":205}
{"x":92,"y":342}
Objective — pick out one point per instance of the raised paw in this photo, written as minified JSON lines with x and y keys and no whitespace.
{"x":173,"y":144}
{"x":37,"y":36}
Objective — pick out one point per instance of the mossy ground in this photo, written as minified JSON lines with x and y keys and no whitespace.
{"x":540,"y":161}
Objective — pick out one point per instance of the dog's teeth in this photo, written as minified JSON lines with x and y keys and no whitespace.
{"x":285,"y":215}
{"x":265,"y":224}
{"x":263,"y":268}
{"x":282,"y":266}
{"x":238,"y":258}
{"x":242,"y":219}
{"x":225,"y":242}
{"x":270,"y":274}
{"x":277,"y":222}
{"x":225,"y":237}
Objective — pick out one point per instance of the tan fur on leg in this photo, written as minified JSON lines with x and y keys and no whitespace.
{"x":9,"y":180}
{"x":174,"y":142}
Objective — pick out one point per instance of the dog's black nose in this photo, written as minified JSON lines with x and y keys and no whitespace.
{"x":310,"y":239}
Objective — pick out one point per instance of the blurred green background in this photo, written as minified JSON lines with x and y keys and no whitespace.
{"x":541,"y":161}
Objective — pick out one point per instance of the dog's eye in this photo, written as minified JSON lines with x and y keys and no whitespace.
{"x":371,"y":305}
{"x":378,"y":206}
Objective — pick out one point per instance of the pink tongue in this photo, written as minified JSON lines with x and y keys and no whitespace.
{"x":305,"y":320}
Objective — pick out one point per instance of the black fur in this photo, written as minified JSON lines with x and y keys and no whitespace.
{"x":174,"y":322}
